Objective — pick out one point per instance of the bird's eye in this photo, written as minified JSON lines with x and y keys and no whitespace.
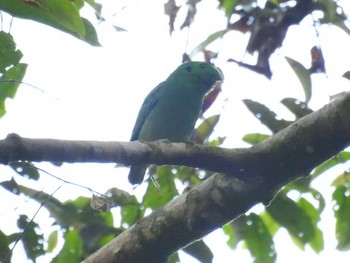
{"x":189,"y":69}
{"x":202,"y":65}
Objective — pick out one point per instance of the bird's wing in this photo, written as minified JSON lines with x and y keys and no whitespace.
{"x":149,"y":103}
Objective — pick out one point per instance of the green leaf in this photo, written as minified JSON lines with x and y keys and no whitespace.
{"x":9,"y":83}
{"x":154,"y":197}
{"x":174,"y":258}
{"x":205,"y":129}
{"x":61,"y":14}
{"x":211,"y":38}
{"x":294,"y":218}
{"x":200,"y":251}
{"x":342,"y":179}
{"x":255,"y":138}
{"x":9,"y":55}
{"x":32,"y":242}
{"x":25,"y":170}
{"x":52,"y":241}
{"x":303,"y":75}
{"x":228,"y":6}
{"x":259,"y":240}
{"x":317,"y":242}
{"x":72,"y":250}
{"x":341,"y":208}
{"x":4,"y":246}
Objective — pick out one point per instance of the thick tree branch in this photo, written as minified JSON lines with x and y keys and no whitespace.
{"x":251,"y":175}
{"x":257,"y":173}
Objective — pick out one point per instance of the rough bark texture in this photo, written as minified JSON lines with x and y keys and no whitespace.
{"x":251,"y":175}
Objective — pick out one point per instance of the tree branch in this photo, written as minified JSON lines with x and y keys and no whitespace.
{"x":252,"y":175}
{"x":257,"y":174}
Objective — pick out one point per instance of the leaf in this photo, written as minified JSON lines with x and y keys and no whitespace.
{"x":303,"y":75}
{"x":297,"y":107}
{"x":4,"y":246}
{"x":171,"y":9}
{"x":341,"y":179}
{"x":255,"y":138}
{"x":72,"y":249}
{"x":317,"y":242}
{"x":347,"y":75}
{"x":154,"y":197}
{"x":60,"y":14}
{"x":32,"y":242}
{"x":9,"y":55}
{"x":211,"y":38}
{"x":259,"y":240}
{"x":228,"y":6}
{"x":317,"y":60}
{"x":205,"y":129}
{"x":9,"y":83}
{"x":341,"y":210}
{"x":200,"y":251}
{"x":25,"y":170}
{"x":52,"y":241}
{"x":266,"y":116}
{"x":294,"y":218}
{"x":210,"y":97}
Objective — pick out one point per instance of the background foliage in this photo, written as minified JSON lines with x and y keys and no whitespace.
{"x":87,"y":224}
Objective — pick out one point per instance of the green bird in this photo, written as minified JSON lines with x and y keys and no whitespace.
{"x":171,"y":109}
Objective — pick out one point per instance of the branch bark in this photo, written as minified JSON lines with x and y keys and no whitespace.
{"x":245,"y":177}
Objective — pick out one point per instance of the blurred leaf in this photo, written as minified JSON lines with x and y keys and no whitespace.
{"x":259,"y":240}
{"x":171,"y":9}
{"x":60,"y":14}
{"x":347,"y":75}
{"x":252,"y":230}
{"x":266,"y":116}
{"x":317,"y":60}
{"x":174,"y":258}
{"x":297,"y":107}
{"x":200,"y":251}
{"x":228,"y":6}
{"x":341,"y":179}
{"x":4,"y":246}
{"x":294,"y":218}
{"x":154,"y":197}
{"x":341,"y":157}
{"x":52,"y":241}
{"x":130,"y":214}
{"x":188,"y":175}
{"x":255,"y":138}
{"x":261,"y":67}
{"x":63,"y":214}
{"x":72,"y":248}
{"x":303,"y":75}
{"x":9,"y":55}
{"x":302,"y":185}
{"x":205,"y":129}
{"x":32,"y":242}
{"x":9,"y":83}
{"x":211,"y":38}
{"x":341,"y":208}
{"x":25,"y":170}
{"x":317,"y":242}
{"x":210,"y":97}
{"x":236,"y":231}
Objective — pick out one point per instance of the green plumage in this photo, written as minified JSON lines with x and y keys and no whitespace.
{"x":170,"y":110}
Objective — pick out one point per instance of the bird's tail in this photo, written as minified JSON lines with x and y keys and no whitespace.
{"x":137,"y":173}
